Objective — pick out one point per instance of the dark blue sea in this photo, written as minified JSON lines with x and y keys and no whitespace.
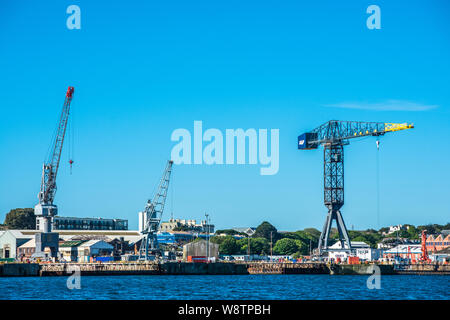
{"x":239,"y":287}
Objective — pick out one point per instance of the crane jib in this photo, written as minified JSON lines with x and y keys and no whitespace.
{"x":50,"y":171}
{"x":339,"y":131}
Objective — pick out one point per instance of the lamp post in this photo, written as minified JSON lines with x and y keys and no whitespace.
{"x":271,"y":253}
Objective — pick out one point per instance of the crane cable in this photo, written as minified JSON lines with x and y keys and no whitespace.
{"x":171,"y":199}
{"x":378,"y":182}
{"x":71,"y":140}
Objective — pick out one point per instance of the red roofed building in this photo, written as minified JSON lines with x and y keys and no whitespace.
{"x":437,"y":243}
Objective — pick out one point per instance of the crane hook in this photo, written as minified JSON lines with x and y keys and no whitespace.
{"x":378,"y":144}
{"x":71,"y":162}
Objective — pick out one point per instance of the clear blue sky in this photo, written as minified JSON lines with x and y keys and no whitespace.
{"x":144,"y":68}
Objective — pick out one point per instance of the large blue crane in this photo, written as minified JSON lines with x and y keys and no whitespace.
{"x":333,"y":135}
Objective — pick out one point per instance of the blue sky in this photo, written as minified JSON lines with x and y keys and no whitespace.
{"x":142,"y":69}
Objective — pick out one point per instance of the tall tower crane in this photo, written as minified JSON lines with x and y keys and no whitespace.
{"x":45,"y":210}
{"x":152,"y":214}
{"x":334,"y":135}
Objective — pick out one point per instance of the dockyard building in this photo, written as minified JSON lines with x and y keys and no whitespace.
{"x":436,"y":243}
{"x":359,"y":249}
{"x":411,"y":252}
{"x":10,"y":240}
{"x":73,"y":223}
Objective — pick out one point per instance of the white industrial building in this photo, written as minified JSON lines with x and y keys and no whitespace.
{"x":359,"y":249}
{"x":10,"y":240}
{"x":404,"y":251}
{"x":93,"y":248}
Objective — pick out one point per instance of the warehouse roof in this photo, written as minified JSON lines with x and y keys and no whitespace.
{"x":17,"y":234}
{"x":405,"y":248}
{"x":109,"y":233}
{"x":355,"y":245}
{"x":71,"y":243}
{"x":29,"y":244}
{"x":96,"y":243}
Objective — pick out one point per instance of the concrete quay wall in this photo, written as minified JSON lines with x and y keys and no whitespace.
{"x":19,"y":269}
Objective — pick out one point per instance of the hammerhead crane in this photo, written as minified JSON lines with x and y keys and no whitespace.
{"x":152,"y":215}
{"x":46,"y":209}
{"x":333,"y":135}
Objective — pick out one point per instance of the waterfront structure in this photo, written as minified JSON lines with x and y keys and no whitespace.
{"x":186,"y":225}
{"x":121,"y":240}
{"x":359,"y":249}
{"x":74,"y":223}
{"x":10,"y":240}
{"x":436,"y":243}
{"x":68,"y":234}
{"x":179,"y":237}
{"x":69,"y":250}
{"x":165,"y":238}
{"x":389,"y":243}
{"x":26,"y":250}
{"x":442,"y":256}
{"x":94,"y":248}
{"x":201,"y":248}
{"x":182,"y":237}
{"x":404,"y":251}
{"x":256,"y":257}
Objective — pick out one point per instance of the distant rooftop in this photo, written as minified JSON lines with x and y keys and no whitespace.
{"x":70,"y":243}
{"x":80,"y":218}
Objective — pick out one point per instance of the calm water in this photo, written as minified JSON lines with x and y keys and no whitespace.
{"x":289,"y":287}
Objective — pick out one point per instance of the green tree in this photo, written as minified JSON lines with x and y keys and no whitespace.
{"x":286,"y":246}
{"x":217,"y":239}
{"x":265,"y":229}
{"x":312,"y":232}
{"x":360,"y":238}
{"x":20,"y":218}
{"x":303,"y":247}
{"x":413,"y":233}
{"x":297,"y":255}
{"x":257,"y":245}
{"x":229,"y":246}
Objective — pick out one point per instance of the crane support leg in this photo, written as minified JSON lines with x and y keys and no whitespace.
{"x":343,"y":234}
{"x":334,"y":195}
{"x":342,"y":230}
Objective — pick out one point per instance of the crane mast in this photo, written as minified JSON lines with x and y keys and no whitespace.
{"x":334,"y":135}
{"x":424,"y":257}
{"x":152,"y":214}
{"x":45,"y":209}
